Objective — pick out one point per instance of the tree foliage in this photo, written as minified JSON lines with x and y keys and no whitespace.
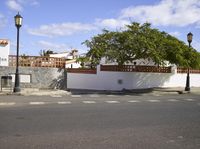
{"x":82,"y":60}
{"x":141,"y":41}
{"x":46,"y":52}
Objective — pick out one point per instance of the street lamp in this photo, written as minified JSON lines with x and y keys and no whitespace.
{"x":187,"y":87}
{"x":18,"y":24}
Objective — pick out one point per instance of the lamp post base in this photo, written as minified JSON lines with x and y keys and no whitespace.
{"x":16,"y":89}
{"x":187,"y":89}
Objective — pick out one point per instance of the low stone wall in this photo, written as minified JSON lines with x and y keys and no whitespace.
{"x":37,"y":77}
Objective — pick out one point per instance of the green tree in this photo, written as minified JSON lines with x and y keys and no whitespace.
{"x":82,"y":61}
{"x":141,"y":41}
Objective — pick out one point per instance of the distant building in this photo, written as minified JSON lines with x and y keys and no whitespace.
{"x":72,"y":64}
{"x":67,"y":55}
{"x":70,"y":58}
{"x":140,"y":62}
{"x":60,"y":55}
{"x":4,"y":52}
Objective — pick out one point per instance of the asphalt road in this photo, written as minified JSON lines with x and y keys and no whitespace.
{"x":100,"y":122}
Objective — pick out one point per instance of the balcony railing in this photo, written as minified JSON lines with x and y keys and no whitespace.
{"x":37,"y":61}
{"x":184,"y":70}
{"x":82,"y":70}
{"x":135,"y":68}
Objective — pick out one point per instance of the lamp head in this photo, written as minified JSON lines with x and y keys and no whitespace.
{"x":18,"y":20}
{"x":189,"y":37}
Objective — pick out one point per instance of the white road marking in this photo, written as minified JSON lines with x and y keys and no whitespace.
{"x":171,"y":141}
{"x":111,"y":95}
{"x":94,"y":95}
{"x":64,"y":102}
{"x":154,"y":100}
{"x":56,"y":96}
{"x":7,"y":103}
{"x":36,"y":103}
{"x":133,"y":101}
{"x":157,"y":95}
{"x":89,"y":102}
{"x":173,"y":100}
{"x":180,"y":137}
{"x":189,"y":99}
{"x":109,"y":101}
{"x":76,"y":96}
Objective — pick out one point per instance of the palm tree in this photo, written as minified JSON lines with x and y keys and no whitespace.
{"x":46,"y":52}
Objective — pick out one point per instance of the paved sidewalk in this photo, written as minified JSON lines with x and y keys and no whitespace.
{"x":48,"y":92}
{"x":37,"y":92}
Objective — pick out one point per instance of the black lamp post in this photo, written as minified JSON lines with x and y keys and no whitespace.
{"x":187,"y":87}
{"x":18,"y":24}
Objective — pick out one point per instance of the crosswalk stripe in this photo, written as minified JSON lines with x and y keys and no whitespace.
{"x":154,"y":100}
{"x":189,"y":99}
{"x":56,"y":96}
{"x":92,"y":101}
{"x":173,"y":100}
{"x":111,"y":95}
{"x":76,"y":96}
{"x":89,"y":102}
{"x":112,"y":101}
{"x":7,"y":103}
{"x":36,"y":103}
{"x":94,"y":95}
{"x":133,"y":101}
{"x":64,"y":102}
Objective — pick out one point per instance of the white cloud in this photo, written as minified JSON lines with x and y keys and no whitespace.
{"x":3,"y":21}
{"x":45,"y":45}
{"x":35,"y":3}
{"x":30,"y":2}
{"x":18,"y":5}
{"x":14,"y":5}
{"x":64,"y":29}
{"x":176,"y":33}
{"x":166,"y":12}
{"x":111,"y":23}
{"x":196,"y":45}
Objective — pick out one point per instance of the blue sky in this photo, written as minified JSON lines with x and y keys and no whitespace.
{"x":64,"y":24}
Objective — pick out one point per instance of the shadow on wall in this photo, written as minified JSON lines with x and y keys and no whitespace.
{"x":60,"y":82}
{"x":150,"y":80}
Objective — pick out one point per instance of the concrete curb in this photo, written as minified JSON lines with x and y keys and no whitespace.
{"x":49,"y":92}
{"x":138,"y":91}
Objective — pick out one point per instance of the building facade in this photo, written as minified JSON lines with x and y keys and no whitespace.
{"x":4,"y":52}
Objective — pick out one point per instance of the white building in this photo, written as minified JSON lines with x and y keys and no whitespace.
{"x":60,"y":55}
{"x":72,"y":64}
{"x":4,"y":52}
{"x":141,"y":62}
{"x":70,"y":58}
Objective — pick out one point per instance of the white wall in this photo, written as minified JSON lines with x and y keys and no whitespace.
{"x":73,"y":65}
{"x":4,"y":52}
{"x":24,"y":78}
{"x":108,"y":80}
